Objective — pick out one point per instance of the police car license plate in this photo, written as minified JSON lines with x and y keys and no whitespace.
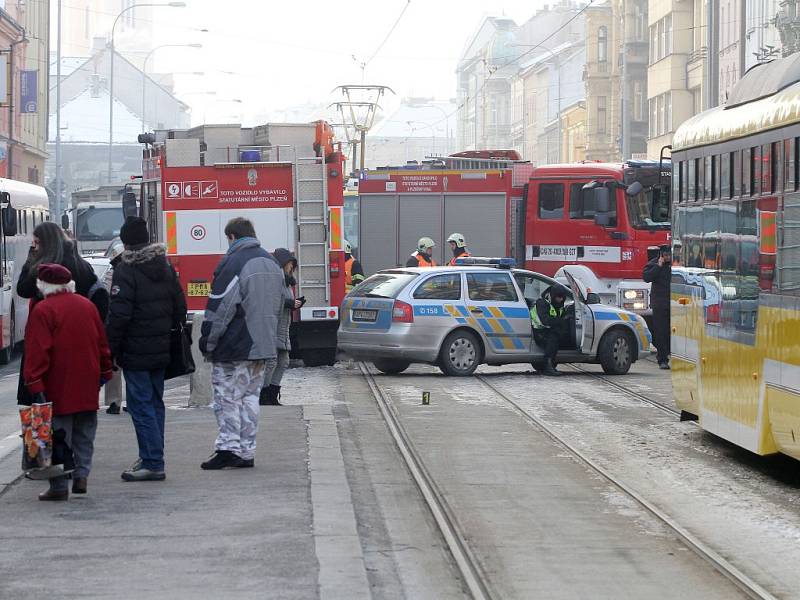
{"x":198,"y":288}
{"x":363,"y":315}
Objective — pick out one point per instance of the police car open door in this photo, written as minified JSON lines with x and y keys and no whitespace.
{"x":584,"y":319}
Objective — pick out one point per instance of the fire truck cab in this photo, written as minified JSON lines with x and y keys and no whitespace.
{"x":285,"y":178}
{"x":596,"y":221}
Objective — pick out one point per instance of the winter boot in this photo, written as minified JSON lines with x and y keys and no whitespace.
{"x":550,"y":369}
{"x":270,"y":396}
{"x":220,"y":460}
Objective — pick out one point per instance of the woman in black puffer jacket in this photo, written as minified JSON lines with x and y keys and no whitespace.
{"x":51,"y":245}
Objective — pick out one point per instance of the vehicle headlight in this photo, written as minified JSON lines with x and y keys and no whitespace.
{"x":632,"y":299}
{"x":630,"y":294}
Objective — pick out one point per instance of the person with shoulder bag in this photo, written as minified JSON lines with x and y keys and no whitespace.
{"x":147,"y":303}
{"x":51,"y":246}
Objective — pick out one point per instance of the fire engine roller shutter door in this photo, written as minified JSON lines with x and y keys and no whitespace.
{"x":481,"y":218}
{"x":420,"y":216}
{"x":377,"y":232}
{"x":202,"y":231}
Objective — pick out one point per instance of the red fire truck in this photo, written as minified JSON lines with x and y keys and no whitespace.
{"x":594,"y":220}
{"x":285,"y":178}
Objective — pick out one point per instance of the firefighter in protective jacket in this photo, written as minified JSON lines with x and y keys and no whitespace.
{"x":458,"y":244}
{"x":422,"y":257}
{"x":549,"y":320}
{"x":353,"y":271}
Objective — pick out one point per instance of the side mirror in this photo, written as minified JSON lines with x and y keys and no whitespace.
{"x":129,"y":208}
{"x":602,"y":206}
{"x":634,"y":189}
{"x":593,"y":298}
{"x":65,"y":221}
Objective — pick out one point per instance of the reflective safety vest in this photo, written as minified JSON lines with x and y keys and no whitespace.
{"x":453,"y":260}
{"x":554,"y":312}
{"x":348,"y":274}
{"x":423,"y":260}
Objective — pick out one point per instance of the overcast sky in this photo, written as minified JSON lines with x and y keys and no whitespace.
{"x":289,"y":53}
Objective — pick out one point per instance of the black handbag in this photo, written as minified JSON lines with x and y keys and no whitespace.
{"x":180,"y":353}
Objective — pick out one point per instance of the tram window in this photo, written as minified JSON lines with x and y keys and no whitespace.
{"x":776,"y":167}
{"x":766,"y":170}
{"x":755,"y":172}
{"x":551,"y":201}
{"x":790,"y":164}
{"x":746,"y":187}
{"x":711,"y":237}
{"x":748,"y":267}
{"x":692,"y":237}
{"x":708,"y":181}
{"x":736,"y":172}
{"x":677,"y":183}
{"x":725,"y":175}
{"x":691,"y":182}
{"x":713,"y":181}
{"x":701,"y":177}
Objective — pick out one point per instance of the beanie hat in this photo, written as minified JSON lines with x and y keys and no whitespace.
{"x":54,"y":274}
{"x":134,"y":232}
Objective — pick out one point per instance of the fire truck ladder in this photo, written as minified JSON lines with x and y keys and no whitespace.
{"x":312,"y":230}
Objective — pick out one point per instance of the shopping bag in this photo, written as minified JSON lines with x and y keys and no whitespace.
{"x":37,"y":436}
{"x":180,"y":353}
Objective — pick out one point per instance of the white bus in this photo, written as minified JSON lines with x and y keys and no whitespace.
{"x":22,"y":207}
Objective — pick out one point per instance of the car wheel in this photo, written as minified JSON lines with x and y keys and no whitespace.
{"x":460,"y":354}
{"x":615,"y":353}
{"x":319,"y":357}
{"x":391,"y":367}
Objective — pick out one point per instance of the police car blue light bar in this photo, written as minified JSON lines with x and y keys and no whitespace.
{"x":482,"y":261}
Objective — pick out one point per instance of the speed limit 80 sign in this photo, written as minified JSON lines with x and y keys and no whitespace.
{"x":198,"y":232}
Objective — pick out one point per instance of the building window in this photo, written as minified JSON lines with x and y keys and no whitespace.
{"x":601,"y":114}
{"x":638,"y":100}
{"x":661,"y":39}
{"x":602,"y":47}
{"x":33,"y":175}
{"x":660,"y":114}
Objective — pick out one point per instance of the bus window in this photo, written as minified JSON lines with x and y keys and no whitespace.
{"x":691,"y":181}
{"x":725,"y":175}
{"x":551,"y":201}
{"x":790,"y":164}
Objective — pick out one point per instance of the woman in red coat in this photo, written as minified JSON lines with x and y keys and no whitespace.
{"x":66,"y":361}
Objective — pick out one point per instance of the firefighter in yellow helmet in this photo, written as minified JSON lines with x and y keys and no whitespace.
{"x":458,"y":244}
{"x":422,"y":257}
{"x":353,"y":271}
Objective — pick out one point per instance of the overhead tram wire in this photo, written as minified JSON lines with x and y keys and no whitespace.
{"x":516,"y":58}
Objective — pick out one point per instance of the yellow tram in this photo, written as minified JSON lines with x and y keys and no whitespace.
{"x":736,"y":263}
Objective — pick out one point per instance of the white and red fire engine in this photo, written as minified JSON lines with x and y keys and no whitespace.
{"x":594,"y":220}
{"x":285,"y":178}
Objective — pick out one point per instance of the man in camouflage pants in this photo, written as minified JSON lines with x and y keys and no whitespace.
{"x":239,"y":337}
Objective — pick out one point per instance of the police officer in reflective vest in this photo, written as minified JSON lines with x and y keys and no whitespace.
{"x":458,"y":244}
{"x":353,"y":271}
{"x":548,"y":317}
{"x":422,"y":257}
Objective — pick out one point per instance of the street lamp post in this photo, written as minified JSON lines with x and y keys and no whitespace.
{"x":433,"y":131}
{"x":111,"y":76}
{"x":144,"y":74}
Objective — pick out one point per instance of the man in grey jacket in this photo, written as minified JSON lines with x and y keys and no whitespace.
{"x":239,"y":337}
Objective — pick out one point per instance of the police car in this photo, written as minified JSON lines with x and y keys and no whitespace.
{"x":478,"y":313}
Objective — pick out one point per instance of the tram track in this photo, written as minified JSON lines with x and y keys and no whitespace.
{"x":625,"y":390}
{"x":747,"y":585}
{"x":468,"y":566}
